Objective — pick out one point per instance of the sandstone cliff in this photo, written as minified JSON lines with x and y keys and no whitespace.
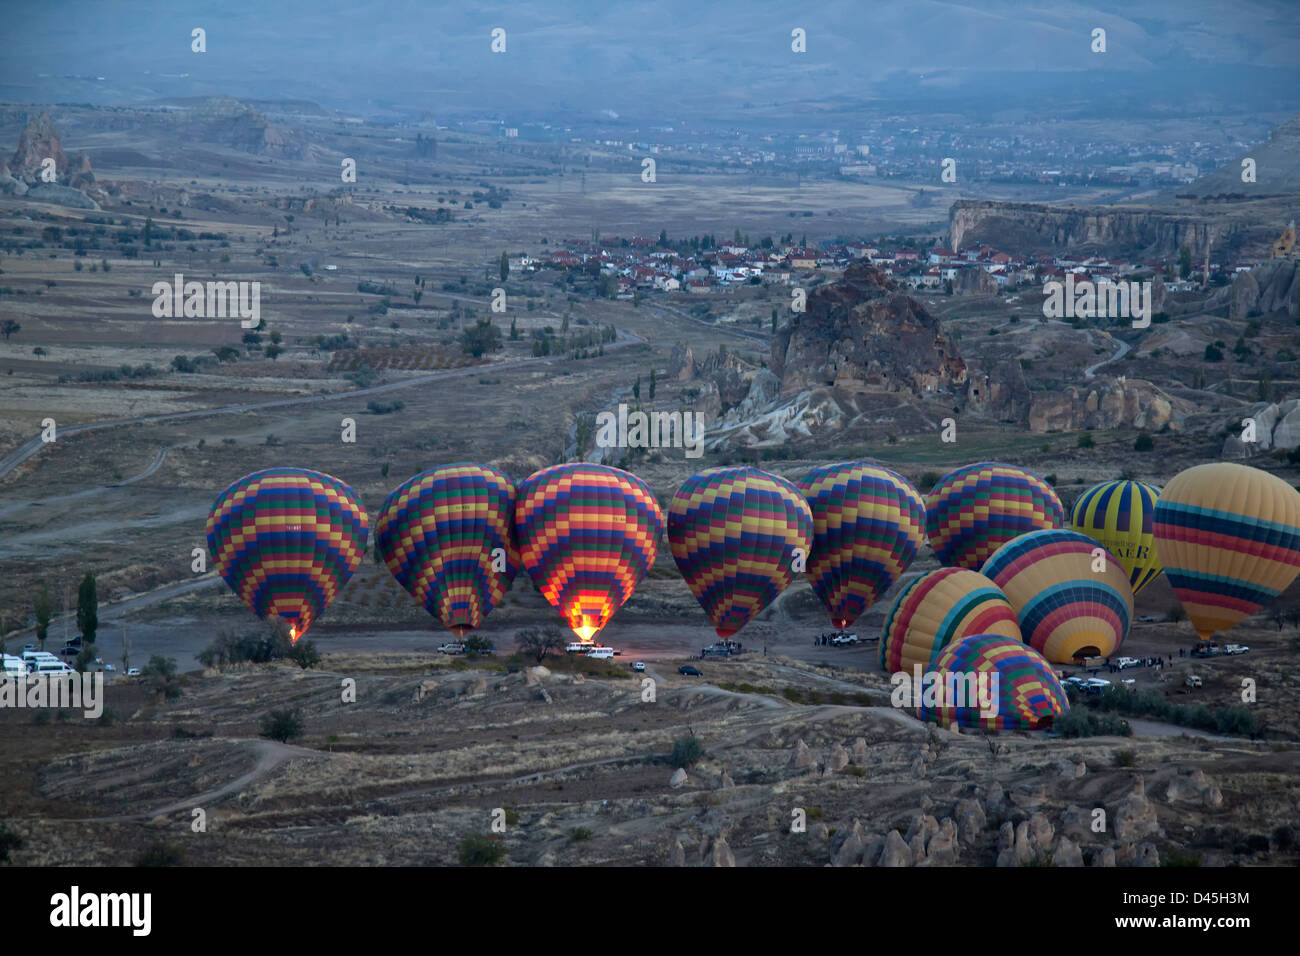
{"x":1030,"y":227}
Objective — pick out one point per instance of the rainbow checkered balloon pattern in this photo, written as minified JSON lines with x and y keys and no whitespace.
{"x":286,"y":540}
{"x":447,"y":536}
{"x":1229,"y":538}
{"x":1070,"y":602}
{"x":587,"y":536}
{"x":974,"y":510}
{"x":868,"y":524}
{"x":735,"y":534}
{"x":1026,"y":696}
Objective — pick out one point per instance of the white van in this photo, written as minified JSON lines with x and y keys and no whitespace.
{"x":601,"y":653}
{"x":54,"y":667}
{"x":14,"y":666}
{"x":577,"y":647}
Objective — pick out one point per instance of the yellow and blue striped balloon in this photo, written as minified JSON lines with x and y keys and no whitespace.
{"x":1119,"y":516}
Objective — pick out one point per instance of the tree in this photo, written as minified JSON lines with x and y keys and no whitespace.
{"x":1266,"y":386}
{"x":505,"y":266}
{"x":160,"y":676}
{"x":9,"y":327}
{"x":514,"y":331}
{"x":652,"y":385}
{"x":482,"y":337}
{"x":273,"y":352}
{"x":1085,"y":441}
{"x":87,"y":608}
{"x":636,"y":389}
{"x":44,"y":612}
{"x":1213,"y":354}
{"x":1144,"y":442}
{"x":148,"y":232}
{"x":282,"y":725}
{"x":774,"y":320}
{"x":686,"y":751}
{"x":537,"y":642}
{"x":476,"y":644}
{"x":1184,"y":262}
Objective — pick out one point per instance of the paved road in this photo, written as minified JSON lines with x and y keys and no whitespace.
{"x":1124,"y":349}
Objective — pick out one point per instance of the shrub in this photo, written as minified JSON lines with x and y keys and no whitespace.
{"x":1144,"y":442}
{"x":479,"y":850}
{"x":686,"y":751}
{"x":1086,"y":441}
{"x":9,"y":841}
{"x":282,"y":725}
{"x":161,"y":854}
{"x":578,"y":834}
{"x":1124,"y":758}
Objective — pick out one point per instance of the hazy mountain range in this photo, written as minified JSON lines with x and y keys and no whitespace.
{"x":659,"y":60}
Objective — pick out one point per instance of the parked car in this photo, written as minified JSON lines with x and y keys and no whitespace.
{"x":133,"y":672}
{"x":1095,"y":685}
{"x":686,"y":670}
{"x":28,"y":647}
{"x":1236,"y":649}
{"x":451,"y":649}
{"x":1124,"y":662}
{"x":638,"y":666}
{"x":1192,"y":681}
{"x":1079,"y":682}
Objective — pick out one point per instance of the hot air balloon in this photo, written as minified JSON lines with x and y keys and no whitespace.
{"x":938,"y":608}
{"x":1229,"y":538}
{"x":286,"y":540}
{"x":993,"y":683}
{"x":447,"y":535}
{"x":868,"y":524}
{"x":587,"y":535}
{"x":1118,"y":515}
{"x":1070,"y":602}
{"x":737,"y":535}
{"x":973,"y":511}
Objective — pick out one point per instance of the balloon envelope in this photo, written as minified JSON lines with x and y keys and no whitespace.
{"x":973,"y":511}
{"x":286,"y":540}
{"x":1120,"y":516}
{"x":735,"y":533}
{"x":587,"y":536}
{"x":447,"y":536}
{"x":1070,"y":602}
{"x":994,"y":683}
{"x":1229,"y":538}
{"x":868,"y":524}
{"x":938,"y":608}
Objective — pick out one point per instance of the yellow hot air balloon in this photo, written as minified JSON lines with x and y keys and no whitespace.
{"x":1118,"y":515}
{"x":1229,"y":538}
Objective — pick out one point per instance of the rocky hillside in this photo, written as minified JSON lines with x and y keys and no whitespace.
{"x":1273,"y":286}
{"x":1277,"y":170}
{"x":862,"y":333}
{"x":1030,"y":227}
{"x":22,"y":175}
{"x":225,"y":121}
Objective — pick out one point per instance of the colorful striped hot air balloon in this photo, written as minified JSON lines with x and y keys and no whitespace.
{"x":938,"y":608}
{"x":587,"y":535}
{"x":737,"y":534}
{"x":1070,"y":602}
{"x":993,"y":683}
{"x":447,"y":535}
{"x":286,"y":540}
{"x":868,"y":524}
{"x":1119,"y":515}
{"x":1229,"y":538}
{"x":973,"y":511}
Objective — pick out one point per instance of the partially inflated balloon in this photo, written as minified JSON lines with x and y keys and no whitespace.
{"x":973,"y":511}
{"x":286,"y":540}
{"x":993,"y":683}
{"x":587,"y":535}
{"x":938,"y":608}
{"x":868,"y":524}
{"x":1229,"y":539}
{"x":738,"y":536}
{"x":1070,"y":601}
{"x":447,"y":535}
{"x":1119,"y":515}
